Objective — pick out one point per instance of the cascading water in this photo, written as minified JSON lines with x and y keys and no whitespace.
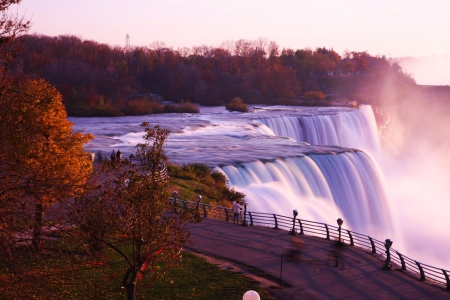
{"x":347,"y":184}
{"x":279,"y":174}
{"x":354,"y":128}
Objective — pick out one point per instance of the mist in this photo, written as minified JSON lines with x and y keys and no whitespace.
{"x":432,"y":70}
{"x":416,"y":144}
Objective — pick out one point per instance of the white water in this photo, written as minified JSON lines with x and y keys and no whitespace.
{"x":279,"y":174}
{"x":347,"y":185}
{"x":354,"y":129}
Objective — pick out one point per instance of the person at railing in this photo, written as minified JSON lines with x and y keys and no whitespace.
{"x":118,"y":156}
{"x":237,"y":208}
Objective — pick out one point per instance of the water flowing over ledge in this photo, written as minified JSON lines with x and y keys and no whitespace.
{"x":355,"y":128}
{"x":346,"y":184}
{"x":217,"y":137}
{"x":272,"y":155}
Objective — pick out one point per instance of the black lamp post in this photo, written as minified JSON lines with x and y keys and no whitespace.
{"x":244,"y":223}
{"x":175,"y":195}
{"x":295,"y":212}
{"x":387,"y":264}
{"x":340,"y":222}
{"x":198,"y":198}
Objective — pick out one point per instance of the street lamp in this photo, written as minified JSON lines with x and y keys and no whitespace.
{"x":251,"y":295}
{"x":244,"y":223}
{"x":295,"y":212}
{"x":387,"y":264}
{"x":175,"y":195}
{"x":198,"y":198}
{"x":340,"y":222}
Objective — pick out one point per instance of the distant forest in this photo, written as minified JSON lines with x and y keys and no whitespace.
{"x":100,"y":80}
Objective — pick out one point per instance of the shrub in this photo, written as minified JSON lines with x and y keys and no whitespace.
{"x":315,"y":95}
{"x":141,"y":107}
{"x":188,"y":107}
{"x":232,"y":194}
{"x":169,"y":108}
{"x":236,"y":105}
{"x":201,"y":170}
{"x":183,"y":107}
{"x":219,"y":176}
{"x":192,"y":171}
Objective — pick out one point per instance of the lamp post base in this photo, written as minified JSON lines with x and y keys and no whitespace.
{"x":386,"y":265}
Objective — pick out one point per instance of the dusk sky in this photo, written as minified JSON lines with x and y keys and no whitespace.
{"x":393,"y":28}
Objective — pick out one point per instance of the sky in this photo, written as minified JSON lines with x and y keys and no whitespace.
{"x":394,"y":28}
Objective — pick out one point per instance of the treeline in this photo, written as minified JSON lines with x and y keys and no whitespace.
{"x":98,"y":79}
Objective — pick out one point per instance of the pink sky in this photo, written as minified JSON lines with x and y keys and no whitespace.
{"x":394,"y":28}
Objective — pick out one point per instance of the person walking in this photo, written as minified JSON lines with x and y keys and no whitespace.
{"x":236,"y":210}
{"x":113,"y":155}
{"x":118,"y":156}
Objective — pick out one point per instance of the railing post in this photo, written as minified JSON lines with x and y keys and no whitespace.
{"x":328,"y":231}
{"x":446,"y":279}
{"x":185,"y":205}
{"x":402,"y":260}
{"x":374,"y":250}
{"x":351,"y":238}
{"x":226,"y":213}
{"x":276,"y":221}
{"x":422,"y":273}
{"x":301,"y":226}
{"x":204,"y":211}
{"x":244,"y":223}
{"x":251,"y":218}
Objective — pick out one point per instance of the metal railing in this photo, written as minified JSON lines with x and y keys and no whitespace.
{"x":330,"y":232}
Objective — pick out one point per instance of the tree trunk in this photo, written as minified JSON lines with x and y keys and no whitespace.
{"x":37,"y":230}
{"x":131,"y":290}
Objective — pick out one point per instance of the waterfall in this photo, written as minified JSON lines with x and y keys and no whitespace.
{"x":323,"y":187}
{"x":355,"y":128}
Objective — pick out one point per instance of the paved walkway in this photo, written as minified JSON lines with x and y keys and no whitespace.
{"x":322,"y":270}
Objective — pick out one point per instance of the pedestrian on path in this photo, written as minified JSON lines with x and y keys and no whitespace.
{"x":118,"y":156}
{"x":236,"y":211}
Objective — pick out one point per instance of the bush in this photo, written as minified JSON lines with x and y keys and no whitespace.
{"x":232,"y":195}
{"x":315,"y":95}
{"x":219,"y":176}
{"x":183,"y":107}
{"x":200,"y":170}
{"x":236,"y":105}
{"x":188,"y":107}
{"x":141,"y":107}
{"x":169,"y":108}
{"x":194,"y":171}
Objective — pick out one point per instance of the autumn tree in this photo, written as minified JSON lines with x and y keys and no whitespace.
{"x":128,"y":211}
{"x":43,"y":161}
{"x":11,"y":26}
{"x":361,"y":60}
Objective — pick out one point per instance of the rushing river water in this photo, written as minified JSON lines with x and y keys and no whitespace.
{"x":321,"y":161}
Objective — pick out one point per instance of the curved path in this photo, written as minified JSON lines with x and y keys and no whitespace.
{"x":320,"y":269}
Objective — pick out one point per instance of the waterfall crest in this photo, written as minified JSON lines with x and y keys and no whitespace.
{"x":354,"y":128}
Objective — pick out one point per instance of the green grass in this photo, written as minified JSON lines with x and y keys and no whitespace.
{"x":193,"y":278}
{"x":198,"y":279}
{"x":197,"y":179}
